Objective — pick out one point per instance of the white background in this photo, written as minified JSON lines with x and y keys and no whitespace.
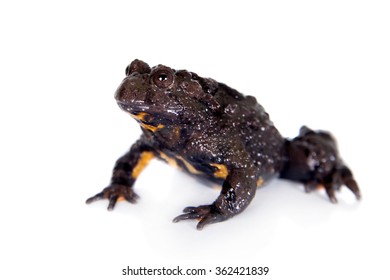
{"x":320,"y":63}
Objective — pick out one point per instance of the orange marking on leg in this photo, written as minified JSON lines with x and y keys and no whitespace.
{"x":221,"y":171}
{"x":169,"y":160}
{"x":189,"y":166}
{"x":143,"y":161}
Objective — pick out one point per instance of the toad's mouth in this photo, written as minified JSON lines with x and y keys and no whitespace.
{"x":135,"y":108}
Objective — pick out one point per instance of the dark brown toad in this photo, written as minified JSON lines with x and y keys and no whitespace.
{"x":211,"y":130}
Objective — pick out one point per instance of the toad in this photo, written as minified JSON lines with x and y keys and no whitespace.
{"x":213,"y":131}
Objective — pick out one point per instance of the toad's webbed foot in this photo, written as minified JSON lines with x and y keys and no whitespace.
{"x":313,"y":159}
{"x":206,"y":214}
{"x":114,"y":193}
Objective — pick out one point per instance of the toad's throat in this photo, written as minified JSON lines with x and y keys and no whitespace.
{"x":145,"y":119}
{"x":142,"y":117}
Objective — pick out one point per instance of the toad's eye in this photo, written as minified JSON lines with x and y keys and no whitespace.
{"x":162,"y":78}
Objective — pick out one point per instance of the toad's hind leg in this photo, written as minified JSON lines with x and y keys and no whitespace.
{"x":313,"y":159}
{"x":238,"y":190}
{"x":126,"y":171}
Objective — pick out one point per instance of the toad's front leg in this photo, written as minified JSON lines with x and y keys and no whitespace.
{"x":125,"y":173}
{"x":238,"y":190}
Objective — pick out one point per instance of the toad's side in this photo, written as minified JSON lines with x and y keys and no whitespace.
{"x":210,"y":130}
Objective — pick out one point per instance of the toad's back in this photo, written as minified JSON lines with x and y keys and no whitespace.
{"x":246,"y":119}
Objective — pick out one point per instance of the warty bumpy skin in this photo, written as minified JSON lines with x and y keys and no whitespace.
{"x":212,"y":131}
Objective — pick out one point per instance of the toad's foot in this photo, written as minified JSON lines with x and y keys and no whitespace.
{"x":334,"y":182}
{"x":238,"y":190}
{"x":340,"y":177}
{"x":206,"y":214}
{"x":115,"y":193}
